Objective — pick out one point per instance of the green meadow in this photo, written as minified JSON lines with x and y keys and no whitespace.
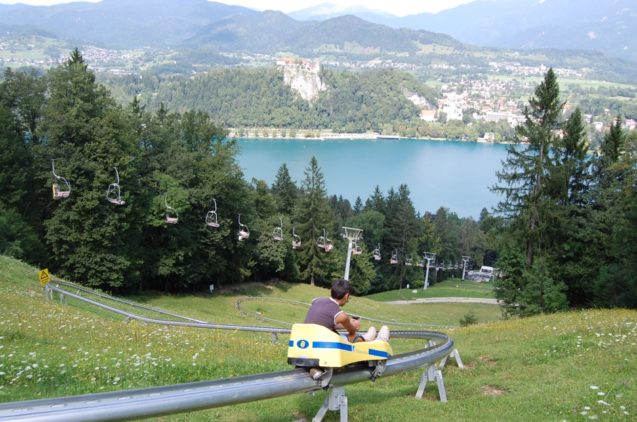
{"x":573,"y":366}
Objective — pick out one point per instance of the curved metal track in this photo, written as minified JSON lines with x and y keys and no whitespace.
{"x":178,"y":398}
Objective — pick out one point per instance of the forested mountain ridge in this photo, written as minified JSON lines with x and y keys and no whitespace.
{"x":190,"y":36}
{"x":251,"y":97}
{"x":271,"y":32}
{"x":123,"y":23}
{"x":604,"y":26}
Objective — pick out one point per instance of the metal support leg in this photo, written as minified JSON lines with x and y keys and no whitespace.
{"x":432,"y":374}
{"x":337,"y":400}
{"x":275,"y":338}
{"x":456,"y":356}
{"x":46,"y":292}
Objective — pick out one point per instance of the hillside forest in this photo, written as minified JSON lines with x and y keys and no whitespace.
{"x":563,"y":235}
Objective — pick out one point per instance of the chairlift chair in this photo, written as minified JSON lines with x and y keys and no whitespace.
{"x":277,"y":234}
{"x":61,"y":187}
{"x":113,"y":194}
{"x":244,"y":232}
{"x":394,"y":258}
{"x":296,"y":240}
{"x":324,"y":242}
{"x":171,"y":214}
{"x":376,"y":253}
{"x":421,"y":263}
{"x":356,"y":250}
{"x":408,"y":261}
{"x":211,"y":216}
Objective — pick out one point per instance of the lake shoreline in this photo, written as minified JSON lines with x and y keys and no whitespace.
{"x":329,"y":136}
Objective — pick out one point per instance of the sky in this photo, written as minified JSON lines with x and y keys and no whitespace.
{"x":394,"y":7}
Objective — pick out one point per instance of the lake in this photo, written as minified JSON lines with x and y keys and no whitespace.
{"x":452,"y":174}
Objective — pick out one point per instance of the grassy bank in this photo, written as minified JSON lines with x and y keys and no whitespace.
{"x":448,"y":288}
{"x":571,"y":366}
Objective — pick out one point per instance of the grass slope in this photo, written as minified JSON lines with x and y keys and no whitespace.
{"x":448,"y":288}
{"x":571,"y":366}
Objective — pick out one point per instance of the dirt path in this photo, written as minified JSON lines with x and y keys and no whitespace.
{"x":446,"y":300}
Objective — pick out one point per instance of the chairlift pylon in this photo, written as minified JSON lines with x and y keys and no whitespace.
{"x":296,"y":240}
{"x":277,"y":234}
{"x":211,"y":216}
{"x":324,"y":242}
{"x":244,"y":232}
{"x":171,"y":214}
{"x":61,"y":187}
{"x":113,"y":194}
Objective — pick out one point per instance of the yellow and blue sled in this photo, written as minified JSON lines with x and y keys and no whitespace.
{"x":313,"y":345}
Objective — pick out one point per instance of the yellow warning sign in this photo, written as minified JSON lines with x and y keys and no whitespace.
{"x":44,"y":276}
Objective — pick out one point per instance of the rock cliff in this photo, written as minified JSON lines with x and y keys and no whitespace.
{"x":303,"y":77}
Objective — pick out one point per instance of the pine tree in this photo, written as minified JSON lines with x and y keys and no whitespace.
{"x":568,"y":237}
{"x":314,"y":219}
{"x":615,"y":219}
{"x":285,"y":191}
{"x":528,"y":183}
{"x":524,"y":176}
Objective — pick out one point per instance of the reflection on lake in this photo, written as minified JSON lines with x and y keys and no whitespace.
{"x":453,"y":174}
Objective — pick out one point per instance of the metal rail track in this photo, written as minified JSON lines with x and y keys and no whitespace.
{"x":157,"y":401}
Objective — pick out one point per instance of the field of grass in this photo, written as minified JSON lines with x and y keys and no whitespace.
{"x":573,"y":366}
{"x":448,"y":288}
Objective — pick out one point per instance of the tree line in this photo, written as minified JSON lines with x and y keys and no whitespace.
{"x":183,"y":166}
{"x":571,"y":215}
{"x":563,"y":235}
{"x":249,"y":97}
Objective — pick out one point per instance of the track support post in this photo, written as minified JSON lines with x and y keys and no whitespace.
{"x":456,"y":356}
{"x":48,"y":293}
{"x":336,"y":400}
{"x":432,"y":374}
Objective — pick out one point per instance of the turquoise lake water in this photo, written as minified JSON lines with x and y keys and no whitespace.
{"x":453,"y":174}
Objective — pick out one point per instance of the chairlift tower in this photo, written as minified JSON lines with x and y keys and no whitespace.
{"x":429,"y":256}
{"x":352,"y":235}
{"x":465,"y":261}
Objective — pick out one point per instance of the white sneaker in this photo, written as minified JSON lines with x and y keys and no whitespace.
{"x":383,"y":334}
{"x":370,"y":335}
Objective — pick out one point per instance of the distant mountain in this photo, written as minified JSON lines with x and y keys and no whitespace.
{"x":273,"y":32}
{"x":608,"y":26}
{"x":190,"y":35}
{"x":325,"y":11}
{"x":123,"y":23}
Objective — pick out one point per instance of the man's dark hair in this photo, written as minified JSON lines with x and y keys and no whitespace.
{"x":339,"y":289}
